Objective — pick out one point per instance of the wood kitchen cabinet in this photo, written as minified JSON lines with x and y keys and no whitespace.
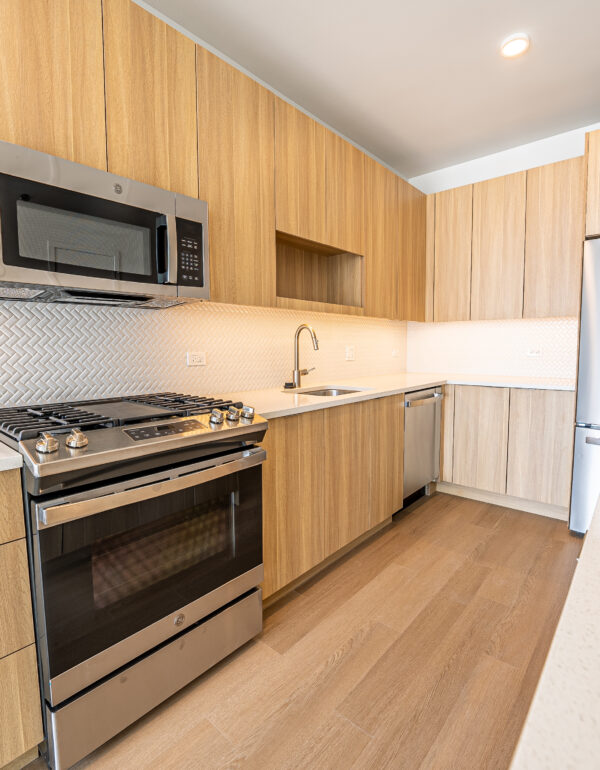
{"x":540,"y":447}
{"x":447,"y":437}
{"x":236,"y":135}
{"x":480,"y":437}
{"x":592,"y":156}
{"x":411,"y":273}
{"x":52,"y":78}
{"x":20,"y":712}
{"x":554,"y":239}
{"x":344,"y":191}
{"x":150,"y":75}
{"x":498,"y":249}
{"x":452,"y":269}
{"x":386,"y":459}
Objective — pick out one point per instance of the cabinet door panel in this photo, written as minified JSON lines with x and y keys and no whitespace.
{"x":447,"y":438}
{"x":452,"y":270}
{"x":20,"y":712}
{"x":480,"y":437}
{"x":52,"y":78}
{"x":150,"y":99}
{"x":344,"y":194}
{"x":540,"y":448}
{"x":293,"y":498}
{"x":382,"y":247}
{"x":385,"y":417}
{"x":236,"y":166}
{"x":300,"y":198}
{"x":554,"y":239}
{"x":411,"y":271}
{"x":16,"y":620}
{"x":498,"y":247}
{"x":12,"y":518}
{"x":592,"y":221}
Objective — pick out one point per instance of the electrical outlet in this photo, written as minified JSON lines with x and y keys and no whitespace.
{"x":349,"y":352}
{"x":534,"y":353}
{"x":395,"y":353}
{"x":196,"y":359}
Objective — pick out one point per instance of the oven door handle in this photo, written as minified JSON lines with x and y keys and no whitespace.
{"x":53,"y":515}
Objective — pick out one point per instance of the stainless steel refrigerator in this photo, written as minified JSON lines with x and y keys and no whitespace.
{"x":586,"y":463}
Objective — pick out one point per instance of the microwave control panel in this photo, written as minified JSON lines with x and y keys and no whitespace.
{"x":190,"y":262}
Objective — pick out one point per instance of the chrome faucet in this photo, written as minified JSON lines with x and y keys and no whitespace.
{"x":298,"y":372}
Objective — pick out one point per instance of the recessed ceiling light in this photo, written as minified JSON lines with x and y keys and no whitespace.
{"x":514,"y":45}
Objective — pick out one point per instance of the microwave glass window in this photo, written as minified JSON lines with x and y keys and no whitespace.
{"x":58,"y":237}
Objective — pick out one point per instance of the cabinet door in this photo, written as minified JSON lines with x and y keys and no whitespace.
{"x":382,"y":243}
{"x":299,"y":174}
{"x":344,"y":194}
{"x":447,"y":437}
{"x":150,"y":99}
{"x":385,"y":417}
{"x":554,"y":239}
{"x":347,"y":436}
{"x":236,"y":166}
{"x":412,"y":213}
{"x":12,"y":518}
{"x":480,"y":437}
{"x":20,"y":711}
{"x":293,"y":498}
{"x":498,"y":247}
{"x":592,"y":220}
{"x":16,"y":619}
{"x":452,"y":270}
{"x":540,"y":448}
{"x":52,"y":78}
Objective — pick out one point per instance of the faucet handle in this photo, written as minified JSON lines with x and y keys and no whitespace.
{"x":306,"y":371}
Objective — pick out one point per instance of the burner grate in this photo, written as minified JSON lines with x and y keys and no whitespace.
{"x":185,"y":404}
{"x":28,"y":422}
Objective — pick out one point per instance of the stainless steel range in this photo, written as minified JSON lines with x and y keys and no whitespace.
{"x":144,"y":519}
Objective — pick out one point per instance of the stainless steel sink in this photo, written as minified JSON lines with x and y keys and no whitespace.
{"x":330,"y":391}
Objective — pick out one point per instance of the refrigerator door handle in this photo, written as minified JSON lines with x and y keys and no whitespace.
{"x":590,"y":440}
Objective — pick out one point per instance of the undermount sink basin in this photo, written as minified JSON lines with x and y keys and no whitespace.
{"x":325,"y":390}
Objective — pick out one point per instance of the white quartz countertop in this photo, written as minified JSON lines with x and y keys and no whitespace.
{"x":274,"y":402}
{"x":562,"y":729}
{"x":9,"y":459}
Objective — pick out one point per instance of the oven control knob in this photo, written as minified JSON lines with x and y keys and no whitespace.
{"x":248,"y":413}
{"x":233,"y":414}
{"x":216,"y":417}
{"x":76,"y":439}
{"x":46,"y":444}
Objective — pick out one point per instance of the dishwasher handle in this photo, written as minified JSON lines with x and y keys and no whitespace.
{"x":434,"y":398}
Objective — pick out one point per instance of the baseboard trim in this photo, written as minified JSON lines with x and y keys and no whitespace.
{"x":506,"y":501}
{"x":281,"y":592}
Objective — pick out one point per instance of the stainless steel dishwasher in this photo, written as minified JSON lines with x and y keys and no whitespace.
{"x":422,"y":420}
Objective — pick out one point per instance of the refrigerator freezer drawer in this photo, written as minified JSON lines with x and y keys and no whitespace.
{"x":586,"y":479}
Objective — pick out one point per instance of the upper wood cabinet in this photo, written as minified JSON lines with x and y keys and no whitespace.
{"x":382,"y":246}
{"x":236,"y":175}
{"x":480,"y":437}
{"x":540,"y":447}
{"x":498,"y":247}
{"x":319,"y":182}
{"x":452,"y":269}
{"x":554,"y":239}
{"x":592,"y":154}
{"x":411,"y":271}
{"x":150,"y":71}
{"x":52,"y":78}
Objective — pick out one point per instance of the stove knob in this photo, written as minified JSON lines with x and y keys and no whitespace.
{"x":216,"y":417}
{"x":46,"y":444}
{"x":233,"y":414}
{"x":76,"y":439}
{"x":248,"y":413}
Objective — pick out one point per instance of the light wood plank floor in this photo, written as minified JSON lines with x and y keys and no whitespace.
{"x":420,"y":649}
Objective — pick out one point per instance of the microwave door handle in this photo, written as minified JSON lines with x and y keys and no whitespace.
{"x":172,"y":258}
{"x":53,"y":515}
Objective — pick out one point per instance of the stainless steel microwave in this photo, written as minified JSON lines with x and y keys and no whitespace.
{"x":70,"y":233}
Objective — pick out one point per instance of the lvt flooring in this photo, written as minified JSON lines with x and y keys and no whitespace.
{"x":420,"y":649}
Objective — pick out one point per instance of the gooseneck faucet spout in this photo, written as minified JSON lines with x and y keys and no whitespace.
{"x":298,"y":372}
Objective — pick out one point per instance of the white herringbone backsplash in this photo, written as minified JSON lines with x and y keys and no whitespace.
{"x":68,"y":352}
{"x":495,"y":347}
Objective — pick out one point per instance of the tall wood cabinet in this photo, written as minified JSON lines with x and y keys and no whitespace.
{"x":592,"y":154}
{"x":452,"y":269}
{"x":150,"y":74}
{"x":412,"y":208}
{"x":52,"y":78}
{"x":236,"y":134}
{"x":498,"y":247}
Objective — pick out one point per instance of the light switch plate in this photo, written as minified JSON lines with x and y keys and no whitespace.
{"x":196,"y":359}
{"x":349,"y":352}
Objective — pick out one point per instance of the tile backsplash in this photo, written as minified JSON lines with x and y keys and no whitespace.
{"x":540,"y":347}
{"x":68,"y":352}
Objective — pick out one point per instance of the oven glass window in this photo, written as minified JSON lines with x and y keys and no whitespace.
{"x":110,"y":575}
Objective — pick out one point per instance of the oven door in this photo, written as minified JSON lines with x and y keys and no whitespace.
{"x":120,"y":569}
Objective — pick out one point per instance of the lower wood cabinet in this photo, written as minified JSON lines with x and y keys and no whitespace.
{"x":480,"y":437}
{"x":540,"y":445}
{"x":20,"y":713}
{"x":330,"y":476}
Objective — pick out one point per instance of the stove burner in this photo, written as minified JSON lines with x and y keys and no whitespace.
{"x":28,"y":422}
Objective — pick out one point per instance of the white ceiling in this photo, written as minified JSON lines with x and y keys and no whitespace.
{"x":420,"y":85}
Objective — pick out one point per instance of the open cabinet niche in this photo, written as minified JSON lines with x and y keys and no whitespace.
{"x":317,"y":274}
